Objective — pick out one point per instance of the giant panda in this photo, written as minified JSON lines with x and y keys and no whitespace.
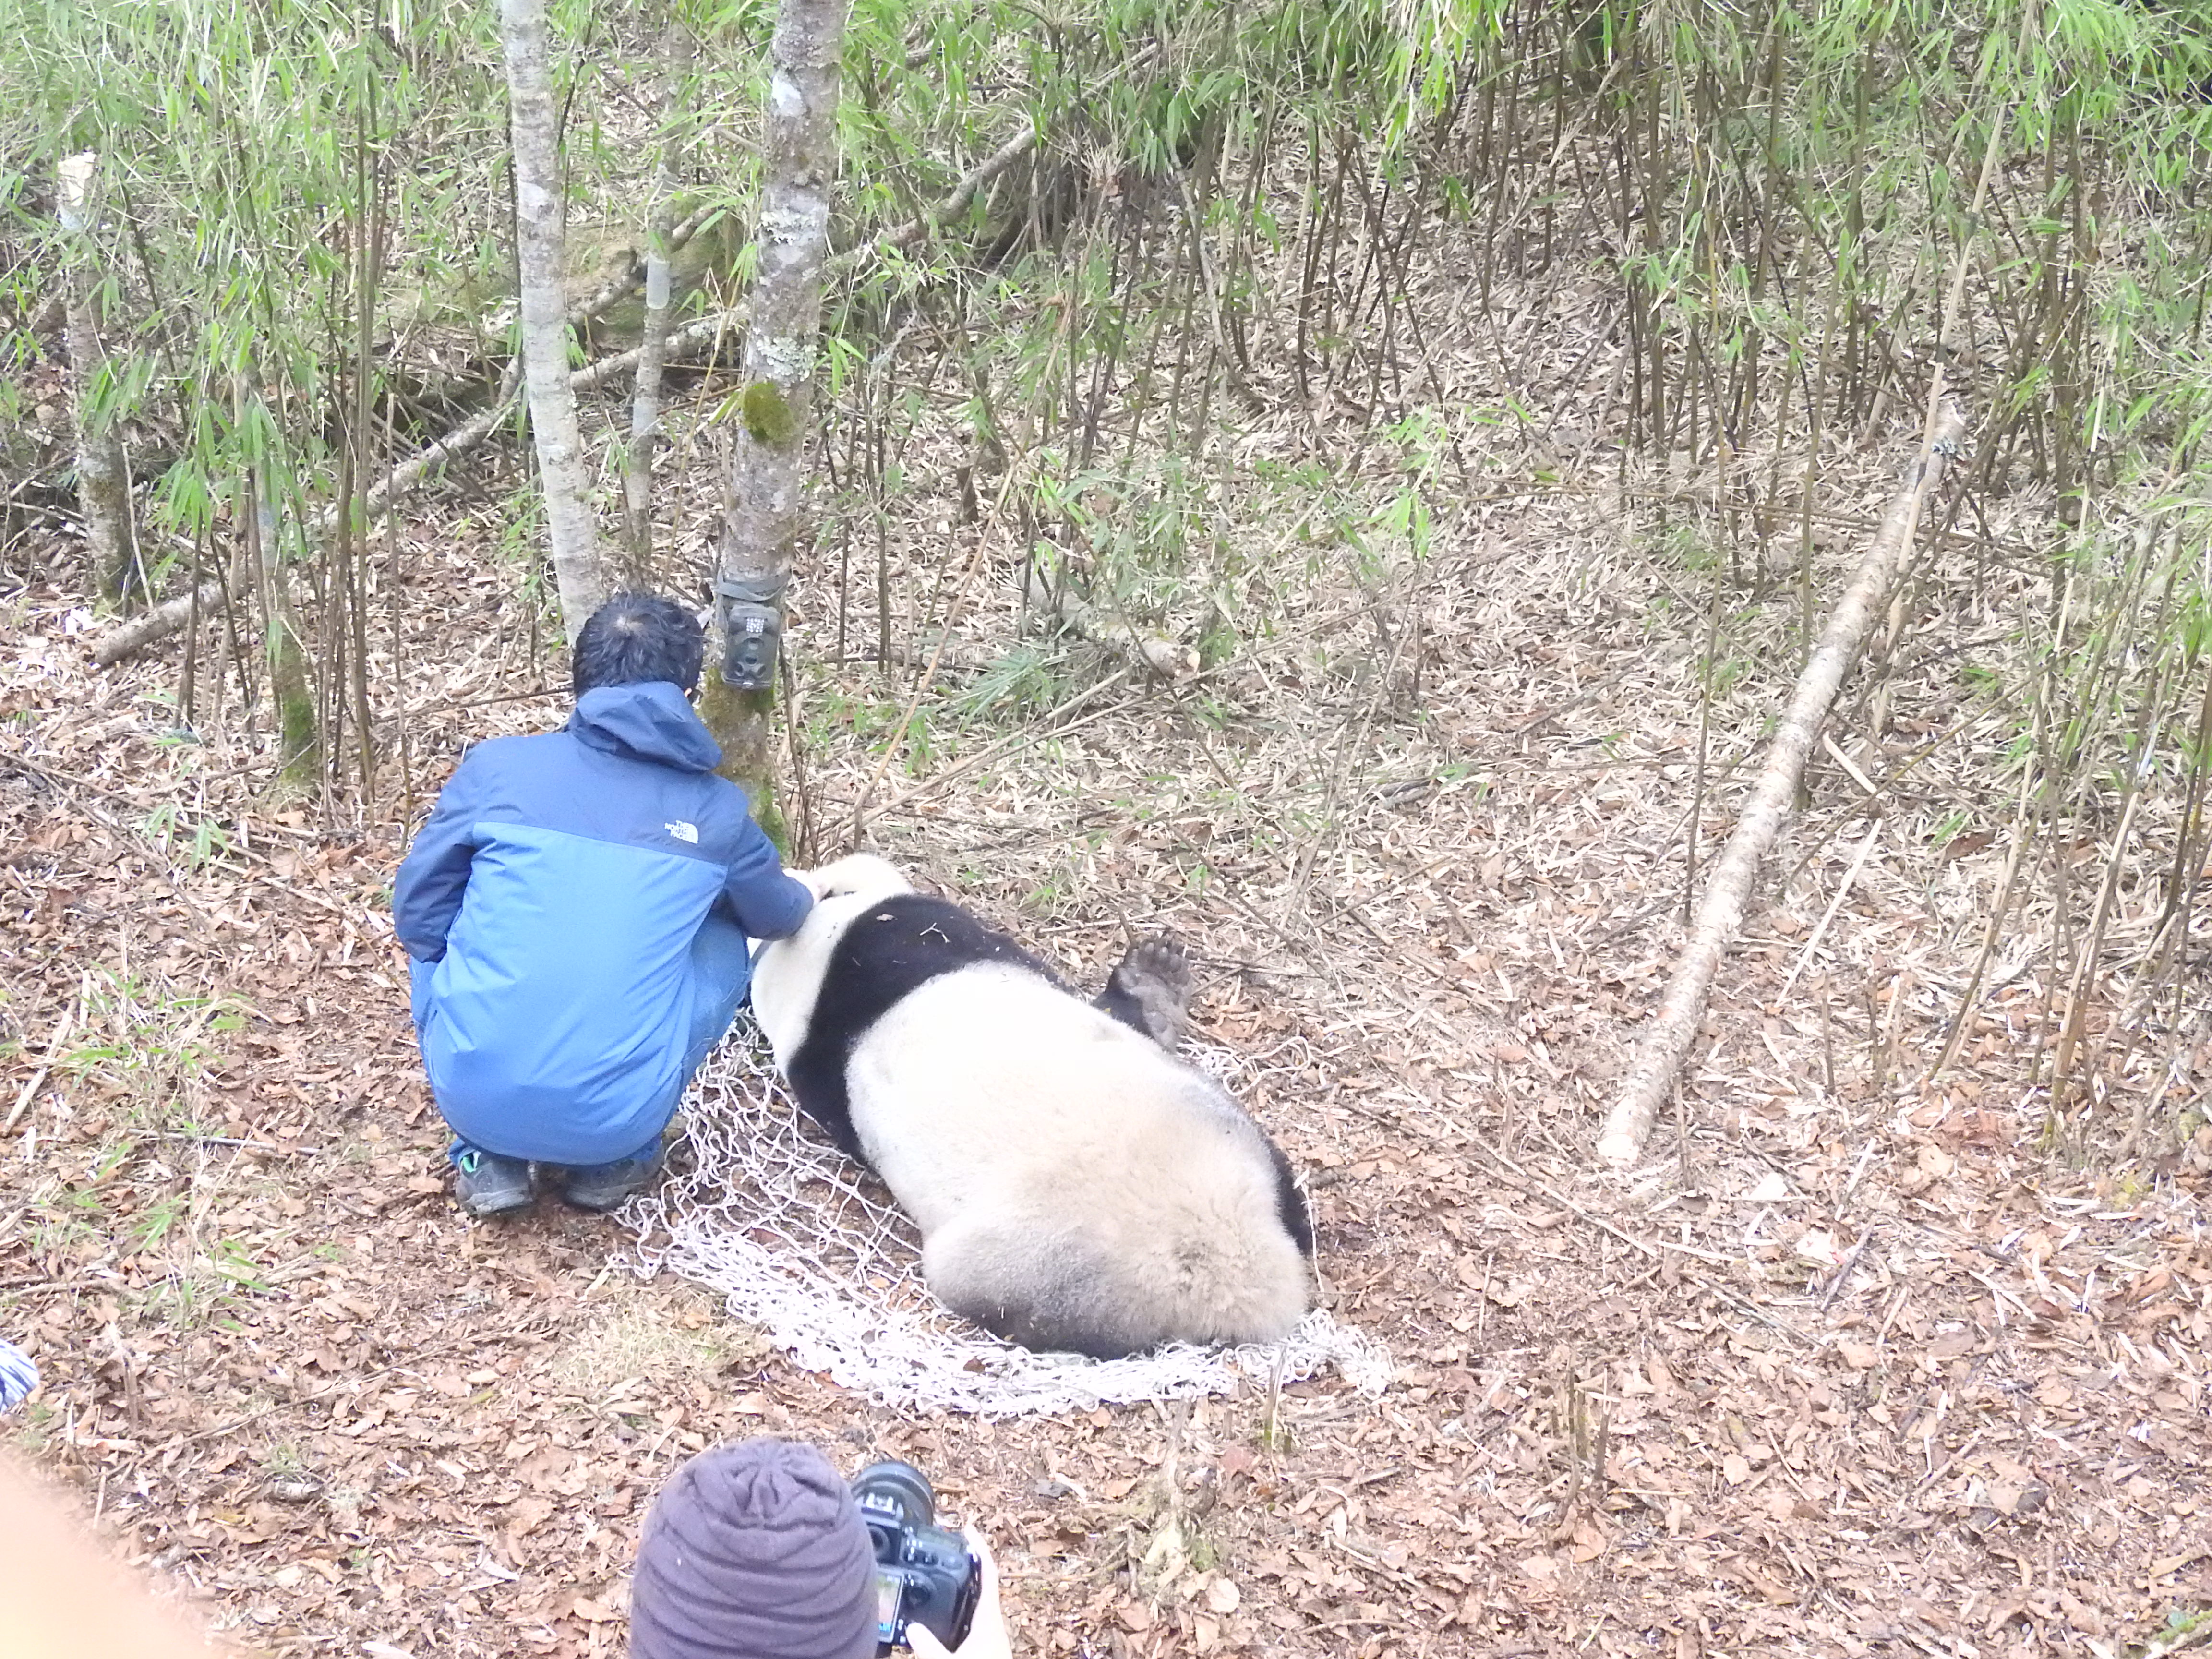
{"x":1078,"y":1187}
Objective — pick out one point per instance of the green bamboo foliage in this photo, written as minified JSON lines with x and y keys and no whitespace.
{"x":261,"y":178}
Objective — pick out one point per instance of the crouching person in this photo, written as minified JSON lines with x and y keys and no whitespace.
{"x":575,"y":914}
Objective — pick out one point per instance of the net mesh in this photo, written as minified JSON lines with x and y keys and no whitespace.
{"x":803,"y":1245}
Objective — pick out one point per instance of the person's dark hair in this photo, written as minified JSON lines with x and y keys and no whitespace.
{"x":636,"y":637}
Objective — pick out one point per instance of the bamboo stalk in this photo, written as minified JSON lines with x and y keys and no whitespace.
{"x":1728,"y":891}
{"x":165,"y":618}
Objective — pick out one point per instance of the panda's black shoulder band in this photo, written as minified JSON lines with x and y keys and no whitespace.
{"x":886,"y":953}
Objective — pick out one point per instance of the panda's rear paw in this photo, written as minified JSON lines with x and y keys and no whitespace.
{"x":1151,"y":989}
{"x":1160,"y":962}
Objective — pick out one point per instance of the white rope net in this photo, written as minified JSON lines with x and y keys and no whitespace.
{"x":802,"y":1244}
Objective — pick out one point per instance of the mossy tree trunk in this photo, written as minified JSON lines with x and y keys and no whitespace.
{"x":767,"y":518}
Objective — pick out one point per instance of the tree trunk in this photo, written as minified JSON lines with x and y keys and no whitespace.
{"x":539,"y":213}
{"x":103,"y":478}
{"x":766,"y":514}
{"x":653,"y":343}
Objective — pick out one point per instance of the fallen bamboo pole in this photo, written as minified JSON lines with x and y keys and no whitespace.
{"x":1727,"y":890}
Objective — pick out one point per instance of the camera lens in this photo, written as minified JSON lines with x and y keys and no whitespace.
{"x":905,"y":1487}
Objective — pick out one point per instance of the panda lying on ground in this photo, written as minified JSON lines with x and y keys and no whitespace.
{"x":1076,"y":1186}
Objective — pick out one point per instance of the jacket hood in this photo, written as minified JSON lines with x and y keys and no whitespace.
{"x":648,"y":721}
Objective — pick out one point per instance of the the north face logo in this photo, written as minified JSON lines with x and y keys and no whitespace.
{"x":683,"y":831}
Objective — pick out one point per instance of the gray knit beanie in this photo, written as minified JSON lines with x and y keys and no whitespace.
{"x":754,"y":1551}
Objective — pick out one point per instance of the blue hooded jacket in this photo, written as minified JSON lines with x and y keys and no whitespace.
{"x":559,"y":887}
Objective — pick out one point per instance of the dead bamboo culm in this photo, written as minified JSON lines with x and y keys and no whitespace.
{"x":1728,"y":891}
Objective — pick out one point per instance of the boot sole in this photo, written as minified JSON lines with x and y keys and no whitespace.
{"x":484,"y":1209}
{"x":600,"y":1204}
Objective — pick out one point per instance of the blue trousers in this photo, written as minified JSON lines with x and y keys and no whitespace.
{"x":721,"y":972}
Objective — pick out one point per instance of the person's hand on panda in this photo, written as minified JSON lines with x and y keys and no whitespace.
{"x":987,"y":1632}
{"x":812,"y":880}
{"x":841,"y":877}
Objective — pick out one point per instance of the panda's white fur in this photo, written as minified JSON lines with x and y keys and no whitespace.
{"x":1076,"y":1185}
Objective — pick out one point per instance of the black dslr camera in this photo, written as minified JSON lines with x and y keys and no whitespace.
{"x":924,"y":1575}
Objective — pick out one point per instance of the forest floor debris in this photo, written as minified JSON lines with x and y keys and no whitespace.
{"x":1851,"y":1364}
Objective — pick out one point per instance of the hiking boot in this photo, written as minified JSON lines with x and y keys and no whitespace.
{"x":603,"y":1185}
{"x":485,"y":1184}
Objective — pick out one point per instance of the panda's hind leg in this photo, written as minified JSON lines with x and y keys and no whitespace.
{"x":1038,"y":1283}
{"x":1149,"y":991}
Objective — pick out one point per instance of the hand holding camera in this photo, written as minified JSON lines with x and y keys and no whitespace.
{"x":937,"y":1592}
{"x":987,"y":1637}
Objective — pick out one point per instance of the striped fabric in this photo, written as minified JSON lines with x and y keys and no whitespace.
{"x":18,"y":1376}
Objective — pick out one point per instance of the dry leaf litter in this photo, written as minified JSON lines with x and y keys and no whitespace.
{"x":1852,"y":1366}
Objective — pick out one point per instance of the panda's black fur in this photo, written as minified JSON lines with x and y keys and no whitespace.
{"x":881,"y":958}
{"x":1078,"y":1187}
